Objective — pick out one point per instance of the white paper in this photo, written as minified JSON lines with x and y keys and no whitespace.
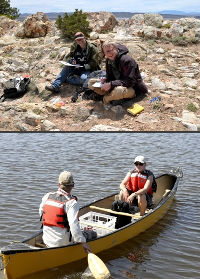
{"x":97,"y":84}
{"x":68,"y":64}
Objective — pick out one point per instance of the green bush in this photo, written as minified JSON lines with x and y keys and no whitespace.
{"x":180,"y":41}
{"x":184,"y":41}
{"x":167,"y":26}
{"x":6,"y":10}
{"x":192,"y":107}
{"x":70,"y":24}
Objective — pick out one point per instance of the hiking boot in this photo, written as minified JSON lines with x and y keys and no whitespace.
{"x":75,"y":97}
{"x":52,"y":89}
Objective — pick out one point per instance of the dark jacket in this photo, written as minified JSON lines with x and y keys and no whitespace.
{"x":90,"y":55}
{"x":129,"y":74}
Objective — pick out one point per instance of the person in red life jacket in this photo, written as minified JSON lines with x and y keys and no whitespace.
{"x":59,"y":211}
{"x":138,"y":186}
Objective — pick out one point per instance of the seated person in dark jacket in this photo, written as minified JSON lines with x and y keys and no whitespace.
{"x":81,"y":53}
{"x":123,"y":79}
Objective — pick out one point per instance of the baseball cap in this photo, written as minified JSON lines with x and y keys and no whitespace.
{"x":66,"y":178}
{"x":79,"y":35}
{"x":140,"y":159}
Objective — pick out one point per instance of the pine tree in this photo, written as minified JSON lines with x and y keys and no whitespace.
{"x":70,"y":24}
{"x":7,"y":10}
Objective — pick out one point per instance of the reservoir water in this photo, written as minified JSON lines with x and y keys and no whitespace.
{"x":30,"y":166}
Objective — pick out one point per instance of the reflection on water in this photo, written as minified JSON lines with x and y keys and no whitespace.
{"x":31,"y":163}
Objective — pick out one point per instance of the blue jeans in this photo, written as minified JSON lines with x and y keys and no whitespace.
{"x":68,"y":75}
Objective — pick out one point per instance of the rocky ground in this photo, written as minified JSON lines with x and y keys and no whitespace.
{"x":171,"y":73}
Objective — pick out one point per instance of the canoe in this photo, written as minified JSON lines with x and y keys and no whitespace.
{"x":31,"y":256}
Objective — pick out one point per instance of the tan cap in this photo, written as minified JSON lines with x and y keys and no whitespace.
{"x":140,"y":159}
{"x":66,"y":178}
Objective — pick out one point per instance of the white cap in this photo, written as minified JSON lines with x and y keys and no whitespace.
{"x":66,"y":178}
{"x":140,"y":159}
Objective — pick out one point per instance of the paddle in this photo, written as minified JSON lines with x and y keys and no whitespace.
{"x":97,"y":267}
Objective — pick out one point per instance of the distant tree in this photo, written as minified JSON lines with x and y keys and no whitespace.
{"x":70,"y":24}
{"x":7,"y":10}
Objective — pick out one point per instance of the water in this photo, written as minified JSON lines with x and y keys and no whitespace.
{"x":30,"y":165}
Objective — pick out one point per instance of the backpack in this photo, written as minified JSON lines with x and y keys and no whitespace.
{"x":122,"y":220}
{"x":14,"y":88}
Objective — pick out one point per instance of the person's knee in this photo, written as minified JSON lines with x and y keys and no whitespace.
{"x":142,"y":199}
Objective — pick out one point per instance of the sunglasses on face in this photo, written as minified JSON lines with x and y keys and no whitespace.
{"x":138,"y":164}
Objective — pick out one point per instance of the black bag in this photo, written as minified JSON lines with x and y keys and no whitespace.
{"x":121,"y":206}
{"x":14,"y":88}
{"x":154,"y":184}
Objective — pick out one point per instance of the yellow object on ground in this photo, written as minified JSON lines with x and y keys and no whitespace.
{"x":135,"y":109}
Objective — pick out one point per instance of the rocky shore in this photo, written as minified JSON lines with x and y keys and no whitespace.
{"x":168,"y":54}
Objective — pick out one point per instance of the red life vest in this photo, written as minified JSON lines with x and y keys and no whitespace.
{"x":54,"y":213}
{"x":137,"y":181}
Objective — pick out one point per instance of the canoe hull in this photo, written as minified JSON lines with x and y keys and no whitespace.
{"x":42,"y":259}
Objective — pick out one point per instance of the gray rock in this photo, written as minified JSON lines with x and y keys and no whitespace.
{"x":191,"y":127}
{"x":190,"y":117}
{"x":155,"y":20}
{"x":157,"y":83}
{"x":48,"y":126}
{"x":190,"y":82}
{"x":106,"y":128}
{"x":147,"y":118}
{"x":32,"y":119}
{"x":82,"y":113}
{"x":118,"y":110}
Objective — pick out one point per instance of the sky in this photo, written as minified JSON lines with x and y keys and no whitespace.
{"x":144,"y":6}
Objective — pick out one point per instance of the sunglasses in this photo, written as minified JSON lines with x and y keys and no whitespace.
{"x":138,"y":164}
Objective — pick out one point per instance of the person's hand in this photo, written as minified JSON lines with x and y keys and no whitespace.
{"x":86,"y":248}
{"x":131,"y":198}
{"x":102,"y":79}
{"x":73,"y":61}
{"x":125,"y":194}
{"x":106,"y":86}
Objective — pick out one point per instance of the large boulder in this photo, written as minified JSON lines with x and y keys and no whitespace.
{"x":101,"y":22}
{"x":139,"y":20}
{"x":7,"y":25}
{"x":34,"y":26}
{"x":155,"y":20}
{"x":189,"y":23}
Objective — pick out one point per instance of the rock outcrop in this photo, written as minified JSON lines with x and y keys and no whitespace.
{"x":34,"y":26}
{"x":7,"y":25}
{"x":170,"y":72}
{"x":102,"y":21}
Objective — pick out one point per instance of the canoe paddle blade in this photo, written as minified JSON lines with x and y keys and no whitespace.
{"x":97,"y":267}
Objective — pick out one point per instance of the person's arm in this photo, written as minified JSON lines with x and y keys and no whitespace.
{"x":72,"y":215}
{"x":123,"y":185}
{"x":70,"y":55}
{"x":128,"y":77}
{"x":93,"y":59}
{"x":142,"y":191}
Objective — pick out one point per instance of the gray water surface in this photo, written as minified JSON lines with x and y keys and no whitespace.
{"x":30,"y":165}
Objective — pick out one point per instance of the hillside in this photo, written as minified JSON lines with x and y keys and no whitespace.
{"x":170,"y":69}
{"x":122,"y":15}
